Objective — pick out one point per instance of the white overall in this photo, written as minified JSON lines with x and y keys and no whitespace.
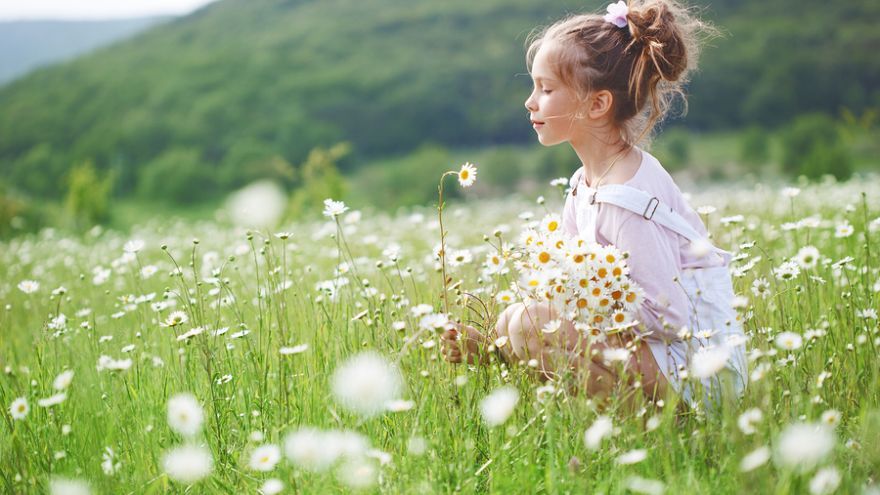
{"x":709,"y":290}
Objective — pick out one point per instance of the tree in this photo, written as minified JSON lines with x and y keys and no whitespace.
{"x":88,"y":195}
{"x":813,"y":146}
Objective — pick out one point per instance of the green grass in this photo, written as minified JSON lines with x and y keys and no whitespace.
{"x":270,"y":284}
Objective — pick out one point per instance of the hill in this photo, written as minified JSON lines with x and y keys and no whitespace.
{"x":247,"y":88}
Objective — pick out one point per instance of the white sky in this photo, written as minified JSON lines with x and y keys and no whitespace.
{"x":11,"y":10}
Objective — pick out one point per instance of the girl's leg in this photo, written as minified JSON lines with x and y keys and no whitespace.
{"x":568,"y":350}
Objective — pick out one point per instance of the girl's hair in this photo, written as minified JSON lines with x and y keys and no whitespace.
{"x":644,"y":64}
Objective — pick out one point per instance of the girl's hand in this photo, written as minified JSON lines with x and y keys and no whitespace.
{"x":474,"y":345}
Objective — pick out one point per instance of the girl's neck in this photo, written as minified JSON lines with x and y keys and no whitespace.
{"x":596,"y":154}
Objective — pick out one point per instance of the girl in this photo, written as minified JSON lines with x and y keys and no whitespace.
{"x":601,"y":83}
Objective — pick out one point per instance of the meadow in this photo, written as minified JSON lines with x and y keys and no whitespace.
{"x":203,"y":357}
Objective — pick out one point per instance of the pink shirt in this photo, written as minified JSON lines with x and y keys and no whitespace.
{"x":656,"y":254}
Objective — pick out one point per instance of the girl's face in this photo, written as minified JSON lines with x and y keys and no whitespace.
{"x":552,"y":106}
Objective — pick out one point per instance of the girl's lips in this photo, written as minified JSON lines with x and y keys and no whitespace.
{"x":536,"y":123}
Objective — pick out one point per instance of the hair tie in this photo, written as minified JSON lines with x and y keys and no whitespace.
{"x":617,"y":13}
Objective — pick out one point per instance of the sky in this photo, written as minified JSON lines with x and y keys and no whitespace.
{"x":11,"y":10}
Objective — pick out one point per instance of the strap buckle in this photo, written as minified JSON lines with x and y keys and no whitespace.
{"x":648,"y":207}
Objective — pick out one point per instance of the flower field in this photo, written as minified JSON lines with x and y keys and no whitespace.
{"x":208,"y":358}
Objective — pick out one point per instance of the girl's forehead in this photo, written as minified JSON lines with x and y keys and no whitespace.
{"x":545,"y":63}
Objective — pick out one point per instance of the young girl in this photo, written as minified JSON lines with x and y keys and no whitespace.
{"x":601,"y":83}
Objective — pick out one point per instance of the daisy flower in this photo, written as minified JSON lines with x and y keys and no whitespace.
{"x":265,"y":457}
{"x":19,"y":408}
{"x":28,"y":286}
{"x":467,"y":175}
{"x":188,"y":463}
{"x":499,"y":405}
{"x":333,"y":209}
{"x":175,"y":318}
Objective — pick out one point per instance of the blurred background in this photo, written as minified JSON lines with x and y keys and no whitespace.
{"x":113,"y":112}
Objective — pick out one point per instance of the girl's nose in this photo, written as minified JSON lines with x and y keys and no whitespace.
{"x":530,"y":104}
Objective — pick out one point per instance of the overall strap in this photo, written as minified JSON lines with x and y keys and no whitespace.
{"x":648,"y":206}
{"x":651,"y":208}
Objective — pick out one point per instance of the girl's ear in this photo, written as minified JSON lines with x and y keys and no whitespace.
{"x":600,"y":103}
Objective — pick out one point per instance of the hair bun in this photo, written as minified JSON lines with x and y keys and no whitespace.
{"x":654,"y":29}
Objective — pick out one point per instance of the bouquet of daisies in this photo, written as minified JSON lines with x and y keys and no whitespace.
{"x":585,"y":282}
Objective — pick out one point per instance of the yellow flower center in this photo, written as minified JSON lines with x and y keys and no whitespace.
{"x":552,"y":226}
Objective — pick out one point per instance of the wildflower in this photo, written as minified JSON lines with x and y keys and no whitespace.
{"x":843,"y":230}
{"x":19,"y":408}
{"x":110,"y":364}
{"x":733,"y":219}
{"x":185,"y":415}
{"x":754,"y":459}
{"x":867,"y":314}
{"x":265,"y":457}
{"x":66,"y":486}
{"x":333,"y":209}
{"x":615,"y":354}
{"x":499,"y":405}
{"x":552,"y":326}
{"x":399,"y":405}
{"x":107,"y":464}
{"x":600,"y":429}
{"x":807,"y":257}
{"x":748,"y":419}
{"x":505,"y":296}
{"x":297,"y":349}
{"x":176,"y":318}
{"x":358,"y":473}
{"x":53,"y":400}
{"x":133,"y":246}
{"x":707,"y":363}
{"x":317,"y":450}
{"x":551,"y":223}
{"x":804,"y":445}
{"x":706,"y":210}
{"x":787,"y":271}
{"x":761,"y":288}
{"x":435,"y":322}
{"x":831,"y":418}
{"x":700,"y":248}
{"x":28,"y":286}
{"x":188,"y":463}
{"x":647,"y":486}
{"x":190,"y":333}
{"x":632,"y":457}
{"x":790,"y":192}
{"x":788,"y":341}
{"x":62,"y":381}
{"x":272,"y":486}
{"x":365,"y":383}
{"x":467,"y":175}
{"x":825,"y":481}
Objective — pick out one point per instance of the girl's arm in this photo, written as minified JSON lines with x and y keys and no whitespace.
{"x":655,"y":264}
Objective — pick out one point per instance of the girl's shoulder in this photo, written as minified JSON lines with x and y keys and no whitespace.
{"x":653,"y":179}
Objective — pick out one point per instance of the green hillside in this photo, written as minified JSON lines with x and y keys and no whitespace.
{"x":244,"y":89}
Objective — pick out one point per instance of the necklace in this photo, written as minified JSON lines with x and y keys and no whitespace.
{"x":616,"y":159}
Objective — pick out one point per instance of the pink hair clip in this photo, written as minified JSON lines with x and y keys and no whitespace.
{"x":617,"y":13}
